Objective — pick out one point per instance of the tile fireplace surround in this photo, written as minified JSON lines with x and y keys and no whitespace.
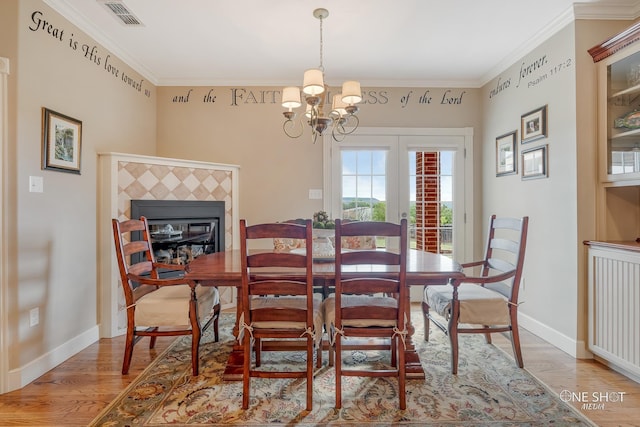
{"x":123,"y":177}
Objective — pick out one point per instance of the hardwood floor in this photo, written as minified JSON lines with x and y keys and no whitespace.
{"x":75,"y":392}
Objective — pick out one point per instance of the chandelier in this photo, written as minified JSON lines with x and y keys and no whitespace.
{"x":340,"y":117}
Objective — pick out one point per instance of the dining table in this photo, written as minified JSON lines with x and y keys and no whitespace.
{"x":423,"y":269}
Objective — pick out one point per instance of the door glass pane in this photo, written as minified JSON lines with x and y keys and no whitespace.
{"x":431,"y":201}
{"x":364,"y":185}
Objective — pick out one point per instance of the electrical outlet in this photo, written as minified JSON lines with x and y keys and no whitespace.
{"x":34,"y":316}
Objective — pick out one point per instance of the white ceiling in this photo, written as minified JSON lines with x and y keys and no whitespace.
{"x":456,"y":43}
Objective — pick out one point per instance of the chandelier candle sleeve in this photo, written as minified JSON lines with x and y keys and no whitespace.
{"x":339,"y":106}
{"x":351,"y":93}
{"x":313,"y":82}
{"x":291,"y":97}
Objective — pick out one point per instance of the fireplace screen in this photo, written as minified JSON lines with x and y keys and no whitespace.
{"x":179,"y":242}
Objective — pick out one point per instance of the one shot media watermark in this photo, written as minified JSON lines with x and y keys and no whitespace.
{"x":592,"y":400}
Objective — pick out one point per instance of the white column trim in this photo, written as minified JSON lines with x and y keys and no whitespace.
{"x":4,"y":281}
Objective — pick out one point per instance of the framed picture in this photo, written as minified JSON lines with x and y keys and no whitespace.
{"x":61,"y":142}
{"x":535,"y":163}
{"x":533,"y":125}
{"x":506,"y":160}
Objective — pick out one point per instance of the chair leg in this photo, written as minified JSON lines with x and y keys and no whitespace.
{"x":453,"y":337}
{"x":332,"y":357}
{"x":195,"y":351}
{"x":338,"y":365}
{"x":394,"y":352}
{"x":401,"y":373}
{"x":152,"y":341}
{"x":310,"y":351}
{"x":515,"y":339}
{"x":425,"y":316}
{"x":487,"y":336}
{"x":246,"y":365}
{"x":128,"y":351}
{"x":258,"y":351}
{"x":216,"y":330}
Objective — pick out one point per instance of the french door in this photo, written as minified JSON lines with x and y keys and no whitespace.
{"x":419,"y":174}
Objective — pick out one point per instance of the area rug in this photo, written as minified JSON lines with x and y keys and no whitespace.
{"x":489,"y":390}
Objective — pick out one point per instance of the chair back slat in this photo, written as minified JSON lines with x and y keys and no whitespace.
{"x":290,"y":287}
{"x":369,"y":286}
{"x":501,"y":265}
{"x":511,"y":246}
{"x":277,"y":259}
{"x":369,"y":257}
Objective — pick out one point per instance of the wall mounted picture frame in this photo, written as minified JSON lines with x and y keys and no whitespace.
{"x":506,"y":156}
{"x":534,"y":162}
{"x":61,"y":142}
{"x":533,"y":125}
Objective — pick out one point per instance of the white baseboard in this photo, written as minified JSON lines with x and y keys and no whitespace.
{"x":572,"y":347}
{"x":24,"y":375}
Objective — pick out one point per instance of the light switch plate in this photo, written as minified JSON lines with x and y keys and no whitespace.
{"x":36,"y":184}
{"x":315,"y":194}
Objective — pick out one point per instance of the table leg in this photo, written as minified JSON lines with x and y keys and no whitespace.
{"x":233,"y":370}
{"x":413,"y":368}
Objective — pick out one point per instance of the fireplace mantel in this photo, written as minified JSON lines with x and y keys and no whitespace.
{"x":123,"y":177}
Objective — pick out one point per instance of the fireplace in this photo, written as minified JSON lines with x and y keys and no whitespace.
{"x":182,"y":230}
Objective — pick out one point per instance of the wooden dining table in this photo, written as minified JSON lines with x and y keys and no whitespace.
{"x":423,"y":269}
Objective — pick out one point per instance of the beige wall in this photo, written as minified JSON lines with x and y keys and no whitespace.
{"x":562,"y":206}
{"x":52,"y":246}
{"x":244,"y":127}
{"x":544,"y":76}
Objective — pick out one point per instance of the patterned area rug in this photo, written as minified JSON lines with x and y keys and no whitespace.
{"x":489,"y":390}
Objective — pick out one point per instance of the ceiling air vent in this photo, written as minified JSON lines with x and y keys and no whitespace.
{"x":120,"y":10}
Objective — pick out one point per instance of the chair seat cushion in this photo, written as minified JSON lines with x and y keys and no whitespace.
{"x":290,"y":302}
{"x":478,"y":305}
{"x":355,"y":301}
{"x":169,"y":305}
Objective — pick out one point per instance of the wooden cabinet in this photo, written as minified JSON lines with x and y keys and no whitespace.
{"x":618,"y":102}
{"x":618,"y":62}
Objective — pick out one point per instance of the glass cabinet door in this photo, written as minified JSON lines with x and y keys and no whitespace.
{"x":623,"y":117}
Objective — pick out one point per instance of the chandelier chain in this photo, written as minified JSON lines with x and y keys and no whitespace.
{"x":321,"y":46}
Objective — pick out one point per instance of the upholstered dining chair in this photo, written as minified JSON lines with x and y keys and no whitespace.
{"x":158,"y":306}
{"x":278,"y":302}
{"x":487,"y":302}
{"x":367,"y":307}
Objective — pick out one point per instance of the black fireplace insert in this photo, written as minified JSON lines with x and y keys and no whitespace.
{"x":182,"y":230}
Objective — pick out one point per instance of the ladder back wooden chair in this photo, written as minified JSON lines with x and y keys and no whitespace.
{"x":158,"y":306}
{"x":486,"y":300}
{"x":278,"y":302}
{"x":365,"y":308}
